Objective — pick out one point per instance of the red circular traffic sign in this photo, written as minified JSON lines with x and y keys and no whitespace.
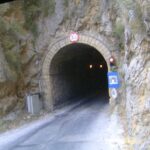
{"x":74,"y":37}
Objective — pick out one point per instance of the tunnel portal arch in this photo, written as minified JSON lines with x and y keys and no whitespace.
{"x":53,"y":49}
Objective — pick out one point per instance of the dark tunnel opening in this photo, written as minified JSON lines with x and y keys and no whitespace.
{"x":76,"y":71}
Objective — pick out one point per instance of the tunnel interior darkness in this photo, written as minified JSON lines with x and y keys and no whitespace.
{"x":77,"y":70}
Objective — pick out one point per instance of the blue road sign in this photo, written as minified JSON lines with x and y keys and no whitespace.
{"x":113,"y":80}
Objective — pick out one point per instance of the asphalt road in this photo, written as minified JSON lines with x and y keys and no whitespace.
{"x":86,"y":127}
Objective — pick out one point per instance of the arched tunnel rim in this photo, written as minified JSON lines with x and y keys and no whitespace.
{"x":53,"y":49}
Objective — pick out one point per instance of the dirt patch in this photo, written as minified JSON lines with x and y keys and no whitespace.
{"x":17,"y":119}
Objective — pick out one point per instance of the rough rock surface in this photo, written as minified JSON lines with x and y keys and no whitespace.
{"x":26,"y":30}
{"x":136,"y":70}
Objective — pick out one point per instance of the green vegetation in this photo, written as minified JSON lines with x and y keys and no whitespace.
{"x":9,"y":40}
{"x":33,"y":9}
{"x":9,"y":33}
{"x":66,"y":3}
{"x":48,"y":7}
{"x":3,"y":26}
{"x":118,"y":32}
{"x":131,"y":10}
{"x":15,"y":22}
{"x":17,"y":28}
{"x":126,"y":3}
{"x":13,"y":60}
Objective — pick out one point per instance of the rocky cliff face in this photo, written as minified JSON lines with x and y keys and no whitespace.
{"x":27,"y":28}
{"x":17,"y":56}
{"x":136,"y":74}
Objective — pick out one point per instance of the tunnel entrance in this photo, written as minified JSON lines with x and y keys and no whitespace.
{"x":65,"y":62}
{"x":77,"y":70}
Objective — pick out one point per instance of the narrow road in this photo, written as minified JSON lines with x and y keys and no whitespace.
{"x":89,"y":126}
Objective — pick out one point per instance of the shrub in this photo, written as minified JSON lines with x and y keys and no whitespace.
{"x":66,"y":3}
{"x":7,"y":41}
{"x":3,"y":26}
{"x":118,"y":32}
{"x":32,"y":10}
{"x":13,"y":60}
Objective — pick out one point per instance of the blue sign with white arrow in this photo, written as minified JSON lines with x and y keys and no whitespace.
{"x":113,"y":80}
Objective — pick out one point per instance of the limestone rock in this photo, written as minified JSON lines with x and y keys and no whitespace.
{"x":97,"y":18}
